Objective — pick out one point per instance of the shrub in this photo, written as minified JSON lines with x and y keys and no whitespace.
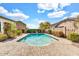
{"x":73,"y":37}
{"x":19,"y":32}
{"x":58,"y":33}
{"x":32,"y":30}
{"x":3,"y":37}
{"x":50,"y":31}
{"x":12,"y":34}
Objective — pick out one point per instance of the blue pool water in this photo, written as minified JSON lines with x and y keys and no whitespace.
{"x":37,"y":39}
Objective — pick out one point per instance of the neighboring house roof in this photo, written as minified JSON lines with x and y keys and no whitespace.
{"x":12,"y":20}
{"x":65,"y":20}
{"x":20,"y":22}
{"x":7,"y":18}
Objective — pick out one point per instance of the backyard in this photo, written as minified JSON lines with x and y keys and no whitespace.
{"x":25,"y":32}
{"x":60,"y":46}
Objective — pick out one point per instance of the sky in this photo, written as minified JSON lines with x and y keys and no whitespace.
{"x":33,"y":14}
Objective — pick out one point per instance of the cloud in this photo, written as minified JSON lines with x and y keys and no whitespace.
{"x":56,"y":14}
{"x":57,"y":7}
{"x":40,"y":21}
{"x":40,"y":11}
{"x":16,"y":10}
{"x":16,"y":14}
{"x":35,"y":23}
{"x":64,"y":5}
{"x":32,"y":26}
{"x":52,"y":6}
{"x":65,"y":17}
{"x":47,"y":6}
{"x":3,"y":10}
{"x":74,"y":14}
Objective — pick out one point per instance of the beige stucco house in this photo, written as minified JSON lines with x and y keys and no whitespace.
{"x":4,"y":20}
{"x":68,"y":25}
{"x":14,"y":24}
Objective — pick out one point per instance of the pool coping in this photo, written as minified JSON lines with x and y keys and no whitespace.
{"x":57,"y":39}
{"x":20,"y":37}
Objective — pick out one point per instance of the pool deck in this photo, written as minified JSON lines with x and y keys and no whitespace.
{"x":60,"y":47}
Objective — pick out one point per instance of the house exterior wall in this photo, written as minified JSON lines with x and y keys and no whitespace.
{"x":67,"y":27}
{"x":60,"y":29}
{"x":21,"y":26}
{"x":2,"y":21}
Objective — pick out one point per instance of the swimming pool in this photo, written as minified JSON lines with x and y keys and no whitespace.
{"x":37,"y":39}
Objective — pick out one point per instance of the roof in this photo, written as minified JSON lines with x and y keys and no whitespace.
{"x":11,"y":20}
{"x":65,"y":20}
{"x":7,"y":18}
{"x":20,"y":22}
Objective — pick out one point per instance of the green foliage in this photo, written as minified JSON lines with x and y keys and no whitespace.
{"x":31,"y":30}
{"x":12,"y":34}
{"x":3,"y":37}
{"x":19,"y":32}
{"x":10,"y":29}
{"x":58,"y":33}
{"x":45,"y":25}
{"x":73,"y":37}
{"x":50,"y":31}
{"x":9,"y":26}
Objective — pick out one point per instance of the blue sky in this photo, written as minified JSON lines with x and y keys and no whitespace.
{"x":34,"y":13}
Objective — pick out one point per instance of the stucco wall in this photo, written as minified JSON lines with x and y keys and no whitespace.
{"x":67,"y":27}
{"x":2,"y":24}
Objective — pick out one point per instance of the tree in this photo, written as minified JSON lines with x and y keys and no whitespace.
{"x":45,"y":25}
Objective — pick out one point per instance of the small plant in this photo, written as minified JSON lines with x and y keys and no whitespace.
{"x":58,"y":33}
{"x":3,"y":37}
{"x":73,"y":37}
{"x":19,"y":32}
{"x":12,"y":34}
{"x":50,"y":31}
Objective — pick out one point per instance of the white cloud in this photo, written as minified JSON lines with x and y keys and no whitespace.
{"x":3,"y":10}
{"x":16,"y":10}
{"x":35,"y":23}
{"x":64,"y":4}
{"x":48,"y":6}
{"x":74,"y":14}
{"x":52,"y":6}
{"x":56,"y":14}
{"x":32,"y":26}
{"x":65,"y":17}
{"x":40,"y":11}
{"x":38,"y":21}
{"x":41,"y":21}
{"x":17,"y":14}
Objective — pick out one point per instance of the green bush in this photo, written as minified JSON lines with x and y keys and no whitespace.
{"x":58,"y":33}
{"x":3,"y":37}
{"x":19,"y":32}
{"x":73,"y":37}
{"x":12,"y":34}
{"x":32,"y":30}
{"x":50,"y":31}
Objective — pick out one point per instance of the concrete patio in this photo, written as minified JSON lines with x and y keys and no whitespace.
{"x":61,"y":47}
